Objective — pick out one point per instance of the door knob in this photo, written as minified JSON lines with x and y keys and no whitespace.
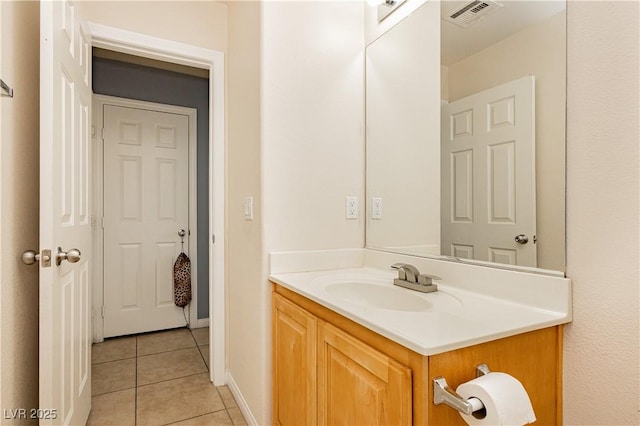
{"x":522,"y":239}
{"x":29,"y":257}
{"x":72,"y":256}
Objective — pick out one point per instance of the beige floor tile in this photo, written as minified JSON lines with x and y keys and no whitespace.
{"x":227,"y":396}
{"x":164,"y":341}
{"x":204,"y":350}
{"x":169,"y":365}
{"x":116,"y":408}
{"x":113,"y":376}
{"x":236,"y":416}
{"x":113,"y":349}
{"x":201,"y":335}
{"x":175,"y":400}
{"x":220,"y":418}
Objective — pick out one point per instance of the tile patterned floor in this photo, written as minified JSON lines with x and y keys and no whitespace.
{"x":158,"y":379}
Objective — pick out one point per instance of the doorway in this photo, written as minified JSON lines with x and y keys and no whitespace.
{"x":145,"y":194}
{"x":150,"y":47}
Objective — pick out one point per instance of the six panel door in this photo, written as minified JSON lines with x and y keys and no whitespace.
{"x":146,"y":204}
{"x":488,"y":175}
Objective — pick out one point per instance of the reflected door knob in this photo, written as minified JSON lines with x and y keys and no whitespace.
{"x":522,"y":239}
{"x":72,"y":256}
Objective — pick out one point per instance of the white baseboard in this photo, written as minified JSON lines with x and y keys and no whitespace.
{"x":202,"y":322}
{"x":242,"y":403}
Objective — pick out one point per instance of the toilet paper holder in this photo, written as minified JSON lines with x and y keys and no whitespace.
{"x":443,"y":394}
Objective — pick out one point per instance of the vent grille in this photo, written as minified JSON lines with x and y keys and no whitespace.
{"x":472,"y":12}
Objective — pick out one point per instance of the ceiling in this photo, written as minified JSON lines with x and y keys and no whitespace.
{"x":457,"y":43}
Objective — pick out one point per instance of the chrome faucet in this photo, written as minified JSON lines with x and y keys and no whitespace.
{"x":409,"y":277}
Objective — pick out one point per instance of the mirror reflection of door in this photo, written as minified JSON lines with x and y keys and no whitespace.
{"x":488,"y":175}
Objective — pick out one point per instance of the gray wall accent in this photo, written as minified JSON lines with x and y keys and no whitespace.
{"x":132,"y":81}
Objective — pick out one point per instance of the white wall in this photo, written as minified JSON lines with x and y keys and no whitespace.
{"x":19,"y":201}
{"x":601,"y":345}
{"x":248,"y":348}
{"x":312,"y":123}
{"x":199,"y":23}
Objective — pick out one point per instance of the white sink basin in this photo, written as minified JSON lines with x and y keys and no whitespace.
{"x":378,"y":296}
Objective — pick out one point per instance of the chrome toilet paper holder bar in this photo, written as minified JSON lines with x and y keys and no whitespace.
{"x":443,"y":394}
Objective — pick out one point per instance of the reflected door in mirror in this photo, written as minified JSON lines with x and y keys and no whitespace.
{"x":488,"y":175}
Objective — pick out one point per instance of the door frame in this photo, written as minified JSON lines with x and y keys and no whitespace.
{"x":132,"y":43}
{"x":97,"y":123}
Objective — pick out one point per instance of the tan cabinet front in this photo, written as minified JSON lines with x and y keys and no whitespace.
{"x":357,"y":385}
{"x":294,"y":364}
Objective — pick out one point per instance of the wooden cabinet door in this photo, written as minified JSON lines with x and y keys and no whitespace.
{"x":357,"y":385}
{"x":294,"y":364}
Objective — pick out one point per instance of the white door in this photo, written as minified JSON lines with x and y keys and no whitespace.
{"x":65,"y":317}
{"x":146,"y":204}
{"x":488,"y":175}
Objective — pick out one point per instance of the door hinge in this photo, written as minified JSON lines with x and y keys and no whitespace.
{"x":213,"y":239}
{"x":102,"y":311}
{"x":102,"y":222}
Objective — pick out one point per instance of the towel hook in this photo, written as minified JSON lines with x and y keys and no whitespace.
{"x":182,"y":233}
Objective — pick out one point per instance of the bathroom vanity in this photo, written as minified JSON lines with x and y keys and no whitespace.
{"x":345,"y":357}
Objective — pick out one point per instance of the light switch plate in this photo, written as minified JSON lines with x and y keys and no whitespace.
{"x":248,"y":208}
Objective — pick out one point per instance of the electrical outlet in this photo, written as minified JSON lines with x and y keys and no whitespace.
{"x":352,"y":208}
{"x":376,"y":208}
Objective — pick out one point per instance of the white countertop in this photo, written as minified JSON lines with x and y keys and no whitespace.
{"x":456,"y":317}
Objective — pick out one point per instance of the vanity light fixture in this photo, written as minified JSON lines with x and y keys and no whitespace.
{"x":385,"y":7}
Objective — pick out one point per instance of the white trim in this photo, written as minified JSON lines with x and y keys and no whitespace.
{"x":180,"y":53}
{"x":99,"y":101}
{"x":200,"y":323}
{"x":242,"y":403}
{"x":97,"y":208}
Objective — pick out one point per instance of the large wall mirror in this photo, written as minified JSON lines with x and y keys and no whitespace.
{"x":465,"y":110}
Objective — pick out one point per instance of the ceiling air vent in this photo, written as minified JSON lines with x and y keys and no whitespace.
{"x":471,"y":12}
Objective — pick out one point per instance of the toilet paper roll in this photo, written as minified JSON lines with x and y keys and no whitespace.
{"x":504,"y":398}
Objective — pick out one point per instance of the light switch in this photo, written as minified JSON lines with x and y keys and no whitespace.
{"x":248,"y":208}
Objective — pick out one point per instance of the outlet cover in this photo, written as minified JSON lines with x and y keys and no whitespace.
{"x":352,"y":207}
{"x":376,"y":208}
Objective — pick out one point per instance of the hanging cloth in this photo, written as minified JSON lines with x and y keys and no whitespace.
{"x":182,"y":278}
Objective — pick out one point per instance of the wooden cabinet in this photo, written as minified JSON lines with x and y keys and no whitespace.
{"x":358,"y":385}
{"x":329,"y":370}
{"x":294,"y":364}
